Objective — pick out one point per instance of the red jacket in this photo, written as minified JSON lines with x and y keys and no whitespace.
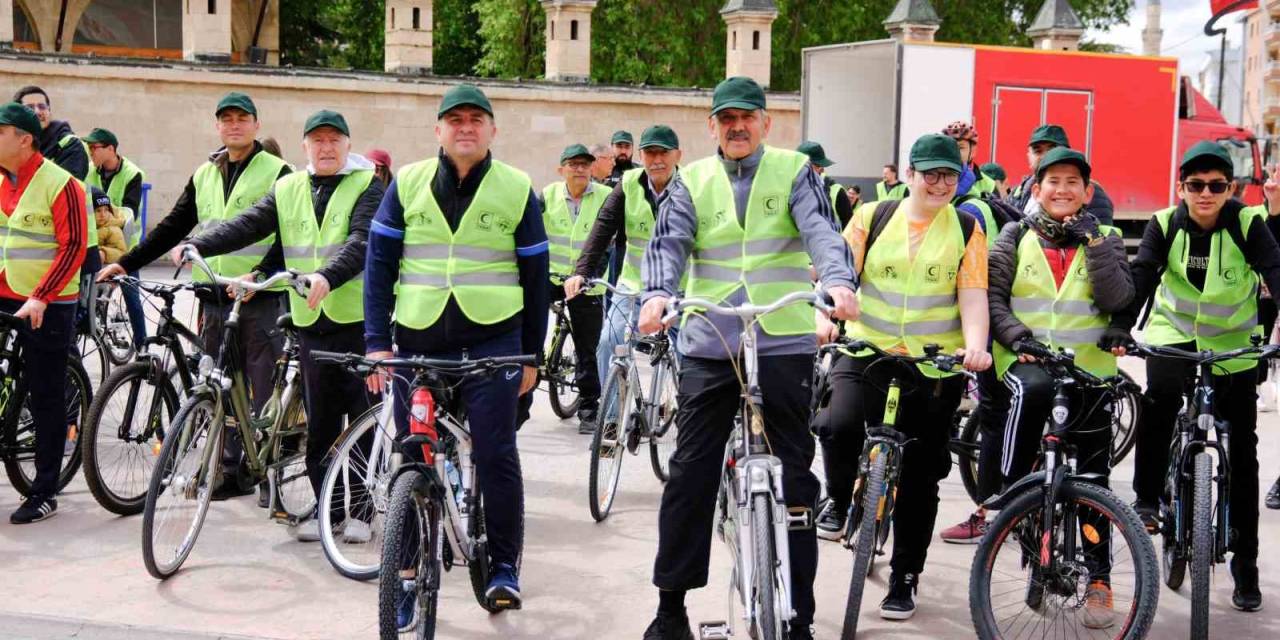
{"x":70,"y":224}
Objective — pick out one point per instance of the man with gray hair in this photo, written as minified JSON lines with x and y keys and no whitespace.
{"x":602,"y":168}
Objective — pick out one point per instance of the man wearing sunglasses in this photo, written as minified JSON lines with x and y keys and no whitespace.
{"x":1206,"y":255}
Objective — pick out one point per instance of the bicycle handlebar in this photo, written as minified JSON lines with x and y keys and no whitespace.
{"x":367,"y":365}
{"x":617,"y":291}
{"x":1207,"y":356}
{"x":291,"y":277}
{"x":933,"y":356}
{"x":748,"y":312}
{"x":1063,"y":358}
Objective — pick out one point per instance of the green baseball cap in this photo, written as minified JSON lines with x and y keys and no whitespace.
{"x":1051,"y":133}
{"x":622,"y":136}
{"x":1064,"y":155}
{"x":659,"y":135}
{"x":1208,"y":150}
{"x":326,"y":118}
{"x":993,"y":171}
{"x":102,"y":136}
{"x":575,"y":151}
{"x":815,"y":152}
{"x":935,"y":151}
{"x":236,"y":100}
{"x":21,"y":117}
{"x":738,"y":92}
{"x":464,"y":95}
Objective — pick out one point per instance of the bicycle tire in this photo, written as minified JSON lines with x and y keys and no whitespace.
{"x":662,"y":419}
{"x":340,"y":460}
{"x":1123,"y":439}
{"x":88,"y":348}
{"x":183,"y":428}
{"x":1028,"y":505}
{"x":562,"y":366}
{"x":1202,"y":544}
{"x":478,"y":568}
{"x":1173,"y":557}
{"x":408,"y":511}
{"x":131,"y":378}
{"x":115,"y":337}
{"x":864,"y":542}
{"x":294,"y":494}
{"x":79,"y":395}
{"x":970,"y":438}
{"x":609,"y":438}
{"x":764,"y":592}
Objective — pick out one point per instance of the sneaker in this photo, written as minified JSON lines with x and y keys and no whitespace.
{"x":407,"y":612}
{"x":1273,"y":496}
{"x":587,"y":421}
{"x":504,"y":587}
{"x":229,"y":489}
{"x":34,"y":509}
{"x":264,"y":496}
{"x":1246,"y":596}
{"x":356,"y":532}
{"x":968,"y":532}
{"x":666,"y":626}
{"x":308,"y":530}
{"x":900,"y":604}
{"x":801,"y":632}
{"x":831,"y":522}
{"x":1149,"y":513}
{"x":1099,"y":610}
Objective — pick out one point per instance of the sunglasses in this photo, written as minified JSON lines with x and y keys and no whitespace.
{"x":1216,"y":187}
{"x":949,"y":178}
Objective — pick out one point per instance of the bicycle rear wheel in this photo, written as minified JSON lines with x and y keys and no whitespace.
{"x":767,"y":624}
{"x":294,"y":495}
{"x":123,"y":435}
{"x":113,"y":323}
{"x":354,"y":497}
{"x":863,"y":518}
{"x":662,"y":418}
{"x":20,"y":464}
{"x":1126,"y":411}
{"x":967,"y":451}
{"x":562,"y":366}
{"x":181,"y":486}
{"x":608,"y":445}
{"x":1202,"y":544}
{"x":411,"y":552}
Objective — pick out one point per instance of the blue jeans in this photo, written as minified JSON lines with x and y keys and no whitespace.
{"x":133,"y":304}
{"x":622,"y":311}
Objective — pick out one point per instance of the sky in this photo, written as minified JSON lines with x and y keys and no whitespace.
{"x":1183,"y":23}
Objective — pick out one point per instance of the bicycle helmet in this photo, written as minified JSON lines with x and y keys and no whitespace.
{"x":961,"y":130}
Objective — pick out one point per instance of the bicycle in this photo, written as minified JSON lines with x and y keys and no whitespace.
{"x":356,"y":490}
{"x":112,"y":328}
{"x":560,"y":367}
{"x":1195,"y":528}
{"x":629,"y":417}
{"x":189,"y":465}
{"x":125,"y":426}
{"x":17,"y":426}
{"x":1063,"y":527}
{"x":875,"y":490}
{"x":754,"y":519}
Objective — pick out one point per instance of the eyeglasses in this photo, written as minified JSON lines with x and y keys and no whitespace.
{"x":1216,"y":187}
{"x":578,"y":165}
{"x":949,"y":178}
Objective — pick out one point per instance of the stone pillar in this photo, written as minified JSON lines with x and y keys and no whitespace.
{"x":6,"y":23}
{"x":1056,"y":27}
{"x":409,"y":40}
{"x":206,"y":30}
{"x":912,"y":20}
{"x":568,"y":39}
{"x":749,"y":38}
{"x":1152,"y":33}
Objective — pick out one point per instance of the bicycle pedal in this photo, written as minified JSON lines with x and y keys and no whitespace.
{"x":715,"y":630}
{"x":799,"y":518}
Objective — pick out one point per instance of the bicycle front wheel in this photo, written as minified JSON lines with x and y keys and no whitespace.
{"x":967,"y":451}
{"x":608,"y":445}
{"x":662,"y":418}
{"x":1202,"y":545}
{"x":1124,"y":419}
{"x":562,"y":366}
{"x":20,"y":464}
{"x":123,"y":435}
{"x":181,"y":486}
{"x":408,"y":592}
{"x":113,"y":323}
{"x":353,"y":497}
{"x":767,"y":624}
{"x":1102,"y":580}
{"x":867,"y":501}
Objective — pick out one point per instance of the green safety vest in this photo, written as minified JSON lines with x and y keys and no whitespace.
{"x":93,"y":221}
{"x":912,"y":301}
{"x":212,"y":209}
{"x":475,"y":264}
{"x":834,"y":191}
{"x":565,"y":233}
{"x":30,"y":242}
{"x":128,"y":171}
{"x":1063,"y":316}
{"x":1221,"y":317}
{"x":639,"y":221}
{"x":984,"y":185}
{"x":767,"y":256}
{"x":989,"y":224}
{"x":898,"y":192}
{"x":307,"y":248}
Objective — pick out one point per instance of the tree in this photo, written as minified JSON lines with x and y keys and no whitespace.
{"x":338,"y":33}
{"x":511,"y":38}
{"x":457,"y":38}
{"x":647,"y":42}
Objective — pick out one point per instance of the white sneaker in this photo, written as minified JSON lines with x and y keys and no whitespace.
{"x":308,"y":530}
{"x":356,"y":532}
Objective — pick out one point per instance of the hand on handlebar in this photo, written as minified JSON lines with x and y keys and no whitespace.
{"x":317,"y":289}
{"x":1116,"y":340}
{"x":846,"y":303}
{"x":573,"y":286}
{"x":248,"y":295}
{"x":1030,"y":349}
{"x":380,"y":378}
{"x":652,"y":313}
{"x":108,"y":272}
{"x":828,"y":331}
{"x":975,"y":359}
{"x":179,"y":255}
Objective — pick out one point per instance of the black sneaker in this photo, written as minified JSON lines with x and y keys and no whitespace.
{"x":900,"y":604}
{"x":229,"y":489}
{"x":34,"y":509}
{"x":666,"y":626}
{"x":831,"y":521}
{"x":1246,"y":596}
{"x":801,"y":632}
{"x":1273,"y":496}
{"x":1149,"y":513}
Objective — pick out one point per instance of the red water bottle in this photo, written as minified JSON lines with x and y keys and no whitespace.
{"x":422,"y":420}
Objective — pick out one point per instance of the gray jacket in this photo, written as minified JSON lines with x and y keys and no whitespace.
{"x":1108,"y":273}
{"x":667,"y":257}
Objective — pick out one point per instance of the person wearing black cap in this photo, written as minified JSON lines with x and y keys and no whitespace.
{"x":234,"y":177}
{"x":839,"y":198}
{"x":622,"y":144}
{"x":464,"y":202}
{"x":569,"y":210}
{"x":322,"y":218}
{"x":43,"y":289}
{"x":750,"y":220}
{"x":1199,"y":267}
{"x":1044,"y":138}
{"x":110,"y":221}
{"x":57,"y":141}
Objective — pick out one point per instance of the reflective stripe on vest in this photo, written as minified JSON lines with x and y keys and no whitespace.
{"x":912,"y":301}
{"x":212,"y":208}
{"x":1225,"y":313}
{"x":639,"y":221}
{"x":476,"y":264}
{"x":308,"y":247}
{"x":566,"y":233}
{"x":1063,"y":316}
{"x":765,"y":255}
{"x":31,"y":243}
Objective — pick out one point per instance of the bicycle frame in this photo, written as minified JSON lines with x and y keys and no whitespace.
{"x":1195,"y":421}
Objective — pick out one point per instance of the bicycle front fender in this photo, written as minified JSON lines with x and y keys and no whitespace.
{"x":1033,"y":481}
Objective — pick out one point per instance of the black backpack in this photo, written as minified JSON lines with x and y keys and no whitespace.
{"x":1004,"y":212}
{"x":884,"y":212}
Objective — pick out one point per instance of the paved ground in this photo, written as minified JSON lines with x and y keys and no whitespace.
{"x":80,"y":575}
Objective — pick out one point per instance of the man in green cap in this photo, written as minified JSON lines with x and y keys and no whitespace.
{"x":322,"y":218}
{"x":625,"y":223}
{"x":235,"y":176}
{"x":122,"y":180}
{"x":1198,"y":268}
{"x":458,"y":251}
{"x":923,"y":267}
{"x":839,"y":198}
{"x":889,"y":188}
{"x":750,"y":219}
{"x":622,"y":144}
{"x":44,"y":207}
{"x":569,"y":210}
{"x":1043,"y":138}
{"x":997,"y":175}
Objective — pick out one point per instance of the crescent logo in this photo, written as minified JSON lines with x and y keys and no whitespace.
{"x":771,"y":204}
{"x":485,"y":221}
{"x":931,"y":272}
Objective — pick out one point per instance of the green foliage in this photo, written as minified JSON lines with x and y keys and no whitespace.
{"x":512,"y":36}
{"x":457,"y":38}
{"x":651,"y":42}
{"x":335,"y":33}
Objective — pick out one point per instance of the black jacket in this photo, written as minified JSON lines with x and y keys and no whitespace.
{"x":844,"y":208}
{"x":611,"y":224}
{"x":70,"y":156}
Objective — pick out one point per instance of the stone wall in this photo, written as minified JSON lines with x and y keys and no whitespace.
{"x":163,"y":112}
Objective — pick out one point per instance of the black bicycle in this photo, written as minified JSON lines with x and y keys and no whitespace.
{"x":1064,"y":557}
{"x":560,"y":366}
{"x":1194,"y":526}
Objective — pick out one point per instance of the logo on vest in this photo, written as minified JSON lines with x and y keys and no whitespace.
{"x":889,"y":272}
{"x":1230,"y":275}
{"x":506,"y":224}
{"x":1082,"y":272}
{"x":772,"y":205}
{"x":643,"y":227}
{"x":1029,"y":271}
{"x":485,"y":221}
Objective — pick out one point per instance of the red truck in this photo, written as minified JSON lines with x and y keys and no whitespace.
{"x":1133,"y":116}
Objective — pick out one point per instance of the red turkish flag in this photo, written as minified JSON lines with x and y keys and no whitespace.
{"x":1229,"y":6}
